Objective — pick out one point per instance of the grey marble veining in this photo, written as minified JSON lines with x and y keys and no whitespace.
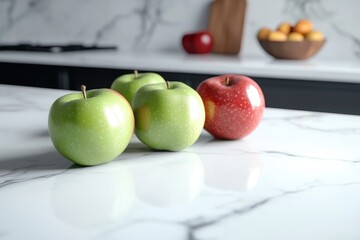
{"x":307,"y":9}
{"x":150,"y":14}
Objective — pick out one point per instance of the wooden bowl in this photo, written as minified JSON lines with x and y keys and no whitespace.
{"x":291,"y":49}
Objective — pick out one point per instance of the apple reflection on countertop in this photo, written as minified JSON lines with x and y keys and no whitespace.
{"x":105,"y":194}
{"x":238,"y":168}
{"x":170,"y":179}
{"x":236,"y":173}
{"x":173,"y":179}
{"x":93,"y":196}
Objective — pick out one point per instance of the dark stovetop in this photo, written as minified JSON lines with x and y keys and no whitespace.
{"x":53,"y":48}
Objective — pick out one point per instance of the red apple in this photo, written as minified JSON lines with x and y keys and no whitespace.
{"x":234,"y":105}
{"x":198,"y":42}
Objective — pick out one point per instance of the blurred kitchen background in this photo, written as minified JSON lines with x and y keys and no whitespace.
{"x":157,"y":25}
{"x":137,"y":27}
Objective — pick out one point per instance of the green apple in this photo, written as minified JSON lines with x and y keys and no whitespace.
{"x":92,"y":127}
{"x":129,"y":84}
{"x":168,"y":116}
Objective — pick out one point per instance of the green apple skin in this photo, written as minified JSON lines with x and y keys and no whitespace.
{"x":91,"y":131}
{"x":168,"y":118}
{"x":128,"y":84}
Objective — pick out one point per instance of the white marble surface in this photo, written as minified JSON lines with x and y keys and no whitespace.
{"x":319,"y":70}
{"x":157,"y":25}
{"x":296,"y":177}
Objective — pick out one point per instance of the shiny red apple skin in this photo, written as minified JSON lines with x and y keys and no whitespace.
{"x":198,"y":42}
{"x":234,"y":105}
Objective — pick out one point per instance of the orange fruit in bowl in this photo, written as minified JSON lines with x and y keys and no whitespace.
{"x":277,"y":36}
{"x":303,"y":26}
{"x":295,"y":37}
{"x":315,"y":36}
{"x":263,"y":33}
{"x":284,"y":27}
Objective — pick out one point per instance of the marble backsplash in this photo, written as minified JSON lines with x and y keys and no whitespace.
{"x":157,"y":25}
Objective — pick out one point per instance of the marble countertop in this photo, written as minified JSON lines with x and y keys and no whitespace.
{"x":333,"y":71}
{"x":296,"y":177}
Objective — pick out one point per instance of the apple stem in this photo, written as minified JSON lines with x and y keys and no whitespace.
{"x":227,"y":81}
{"x":136,"y":73}
{"x":167,"y":84}
{"x":83,"y":90}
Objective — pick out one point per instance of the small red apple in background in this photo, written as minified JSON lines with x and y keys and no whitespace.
{"x":234,"y":105}
{"x":197,"y":42}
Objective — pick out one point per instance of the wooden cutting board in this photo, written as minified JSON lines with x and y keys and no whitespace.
{"x":226,"y":24}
